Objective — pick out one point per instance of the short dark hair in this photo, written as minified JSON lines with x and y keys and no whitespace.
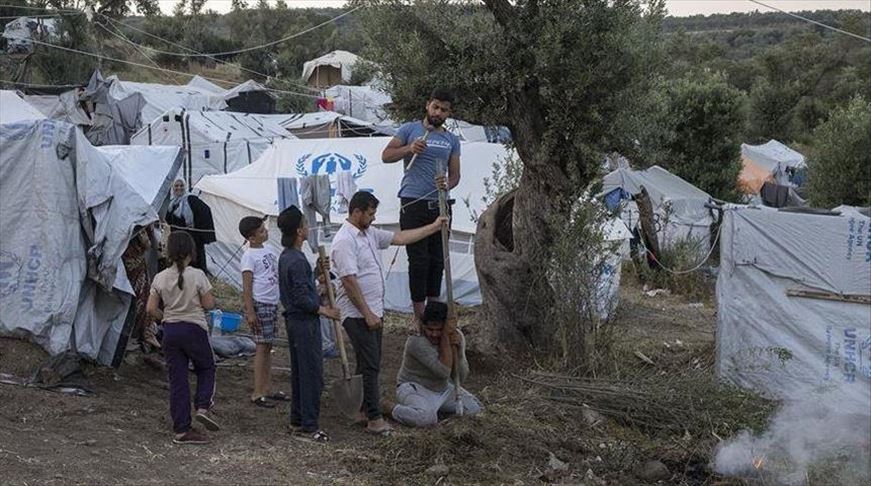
{"x":363,"y":201}
{"x":289,"y":221}
{"x":435,"y":313}
{"x":249,"y":225}
{"x":442,"y":94}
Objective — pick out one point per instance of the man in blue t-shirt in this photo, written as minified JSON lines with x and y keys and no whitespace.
{"x":437,"y":151}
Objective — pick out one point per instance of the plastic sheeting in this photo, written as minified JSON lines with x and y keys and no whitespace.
{"x":793,"y":347}
{"x":67,"y":218}
{"x":14,"y":109}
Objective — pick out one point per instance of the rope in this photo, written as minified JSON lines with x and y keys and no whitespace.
{"x":690,"y":270}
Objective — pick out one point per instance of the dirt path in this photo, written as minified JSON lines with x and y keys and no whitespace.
{"x":122,"y":435}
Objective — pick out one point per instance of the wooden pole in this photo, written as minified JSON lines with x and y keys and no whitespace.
{"x":449,"y":287}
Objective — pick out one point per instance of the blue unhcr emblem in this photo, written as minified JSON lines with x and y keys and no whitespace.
{"x":330,"y":163}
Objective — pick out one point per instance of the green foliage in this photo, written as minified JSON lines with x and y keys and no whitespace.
{"x":705,"y":116}
{"x":582,"y":71}
{"x":839,"y":166}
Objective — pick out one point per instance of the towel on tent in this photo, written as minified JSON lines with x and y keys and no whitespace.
{"x":314,"y":191}
{"x":288,"y":193}
{"x":345,"y":189}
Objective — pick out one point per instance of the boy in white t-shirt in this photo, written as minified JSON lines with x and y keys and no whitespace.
{"x":260,"y":297}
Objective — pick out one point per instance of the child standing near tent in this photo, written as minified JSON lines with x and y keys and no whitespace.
{"x":260,"y":297}
{"x":185,"y":294}
{"x":302,"y":307}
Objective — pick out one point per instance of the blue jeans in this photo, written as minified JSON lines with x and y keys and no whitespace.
{"x":306,"y":371}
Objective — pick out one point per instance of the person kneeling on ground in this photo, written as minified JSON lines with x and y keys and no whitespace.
{"x":424,"y":380}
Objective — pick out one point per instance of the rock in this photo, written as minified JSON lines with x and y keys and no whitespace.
{"x":90,"y":442}
{"x":592,"y":417}
{"x":555,"y":464}
{"x":652,"y":471}
{"x":438,"y":470}
{"x":591,"y":478}
{"x":696,"y":305}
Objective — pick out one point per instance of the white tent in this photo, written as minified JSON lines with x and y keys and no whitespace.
{"x":62,"y":282}
{"x":785,"y":326}
{"x":363,"y":102}
{"x":336,"y":67}
{"x":679,"y":207}
{"x":253,"y":191}
{"x":771,"y":161}
{"x":213,"y":142}
{"x":14,"y":109}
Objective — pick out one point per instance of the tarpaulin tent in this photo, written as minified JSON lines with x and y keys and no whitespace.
{"x":329,"y":124}
{"x":678,"y":206}
{"x":62,"y":107}
{"x":252,"y":191}
{"x":14,"y":109}
{"x":213,"y":142}
{"x":68,"y":215}
{"x":794,"y":305}
{"x":334,"y":68}
{"x":772,"y":162}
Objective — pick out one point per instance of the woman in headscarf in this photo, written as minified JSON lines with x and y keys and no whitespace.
{"x":189,"y":213}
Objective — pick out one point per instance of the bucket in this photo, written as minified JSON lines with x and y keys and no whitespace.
{"x":227,"y":322}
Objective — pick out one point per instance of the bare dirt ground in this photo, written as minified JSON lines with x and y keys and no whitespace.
{"x":122,"y":434}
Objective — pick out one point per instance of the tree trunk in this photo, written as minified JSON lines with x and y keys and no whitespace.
{"x":512,"y":250}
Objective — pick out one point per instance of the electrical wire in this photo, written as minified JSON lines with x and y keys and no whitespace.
{"x":834,"y":29}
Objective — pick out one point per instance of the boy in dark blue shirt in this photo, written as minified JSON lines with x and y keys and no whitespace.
{"x":301,"y":303}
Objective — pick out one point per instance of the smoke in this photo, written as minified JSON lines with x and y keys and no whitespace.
{"x":803,"y":437}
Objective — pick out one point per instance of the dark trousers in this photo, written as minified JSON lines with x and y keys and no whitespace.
{"x":367,"y":347}
{"x":306,"y":371}
{"x":185,"y":342}
{"x":426,"y":262}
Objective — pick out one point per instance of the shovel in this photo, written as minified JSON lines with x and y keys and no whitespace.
{"x":347,"y":390}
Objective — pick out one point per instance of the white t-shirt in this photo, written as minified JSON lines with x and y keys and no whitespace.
{"x":263,"y":264}
{"x":356,"y":252}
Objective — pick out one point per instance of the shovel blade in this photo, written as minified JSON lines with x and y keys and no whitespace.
{"x":348,"y":393}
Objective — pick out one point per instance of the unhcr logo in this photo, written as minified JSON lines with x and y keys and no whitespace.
{"x":330,"y":163}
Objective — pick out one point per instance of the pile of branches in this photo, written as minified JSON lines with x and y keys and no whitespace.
{"x":689,"y":401}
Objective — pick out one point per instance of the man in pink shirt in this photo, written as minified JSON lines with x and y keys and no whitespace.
{"x":356,"y":260}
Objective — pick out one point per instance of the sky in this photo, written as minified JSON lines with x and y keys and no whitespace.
{"x":679,"y":8}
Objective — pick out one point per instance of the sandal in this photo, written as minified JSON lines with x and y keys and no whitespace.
{"x":263,"y":402}
{"x":278,"y":396}
{"x":317,"y":437}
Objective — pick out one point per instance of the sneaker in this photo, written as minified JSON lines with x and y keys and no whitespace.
{"x":192,"y":436}
{"x":208,"y":421}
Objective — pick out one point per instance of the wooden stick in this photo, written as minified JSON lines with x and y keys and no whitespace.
{"x":822,"y":295}
{"x":414,"y":157}
{"x":449,"y":287}
{"x":340,"y":339}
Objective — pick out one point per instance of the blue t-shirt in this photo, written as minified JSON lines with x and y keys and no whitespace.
{"x":419,"y":182}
